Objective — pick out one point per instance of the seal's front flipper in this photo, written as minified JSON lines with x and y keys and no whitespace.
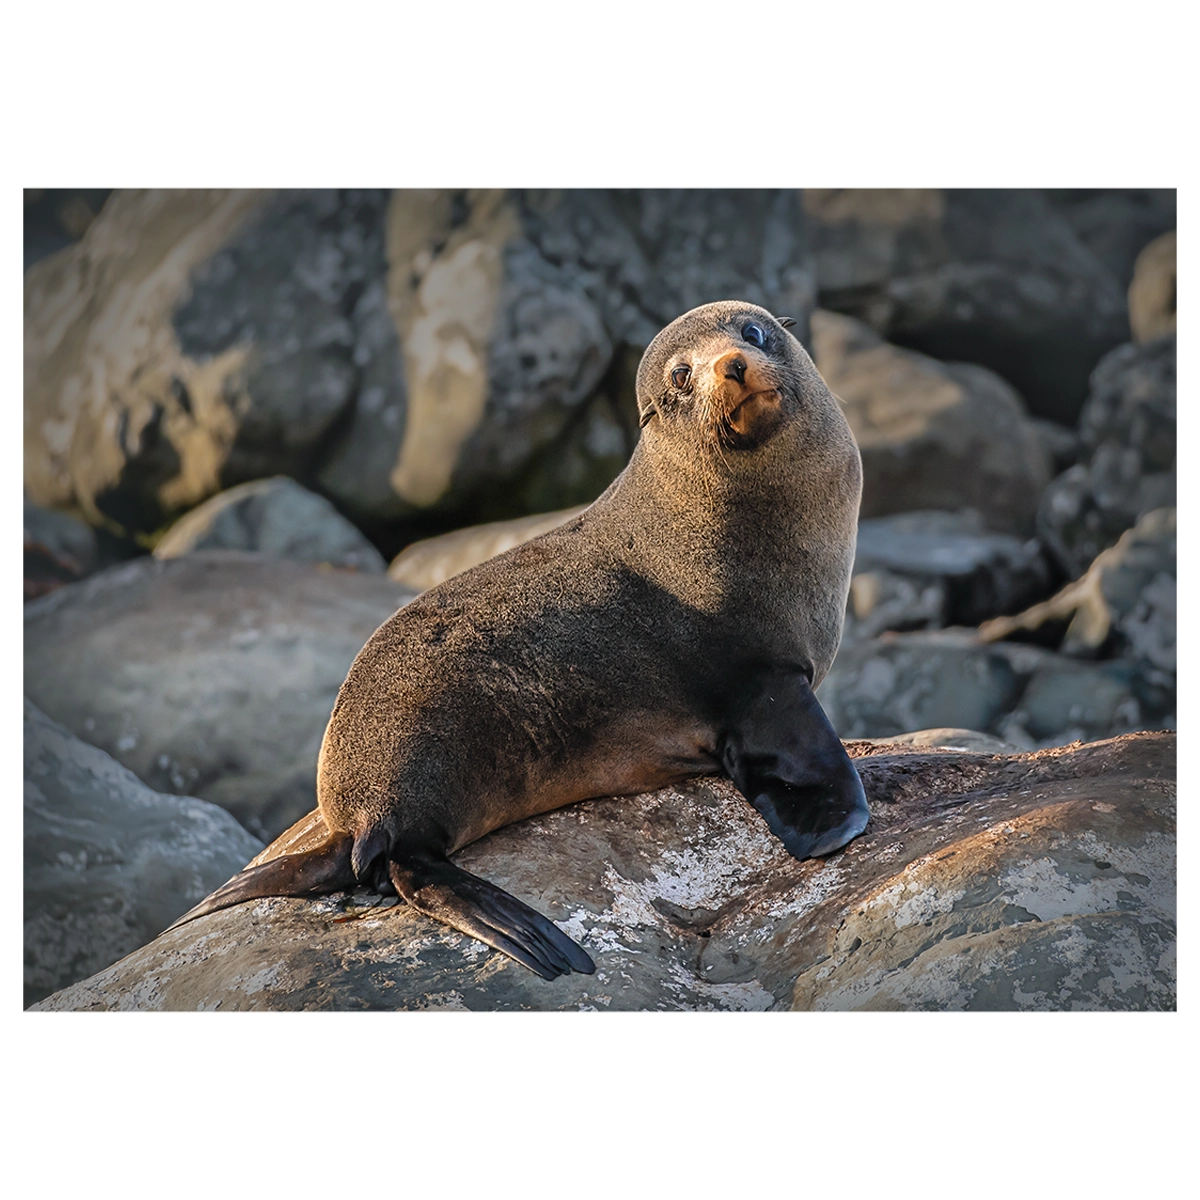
{"x":435,"y":886}
{"x":786,"y":759}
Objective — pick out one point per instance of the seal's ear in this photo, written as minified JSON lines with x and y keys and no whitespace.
{"x":786,"y":322}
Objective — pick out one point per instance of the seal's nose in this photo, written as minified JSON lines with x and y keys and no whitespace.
{"x":731,"y":365}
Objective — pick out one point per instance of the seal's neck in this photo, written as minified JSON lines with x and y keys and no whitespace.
{"x":715,"y":532}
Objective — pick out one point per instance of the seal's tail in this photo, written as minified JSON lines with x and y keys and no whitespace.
{"x":324,"y":868}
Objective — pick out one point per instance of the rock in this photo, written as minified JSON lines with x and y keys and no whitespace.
{"x":109,"y":863}
{"x":932,"y":435}
{"x":917,"y":681}
{"x":56,"y":217}
{"x":1127,"y":594}
{"x":515,"y":311}
{"x":960,"y":572}
{"x":277,"y":517}
{"x":198,"y":339}
{"x":993,"y":277}
{"x":1025,"y":694}
{"x":59,"y":548}
{"x":63,"y":535}
{"x":1018,"y":882}
{"x":949,"y":739}
{"x":1115,"y":223}
{"x":1152,"y":290}
{"x":405,"y":353}
{"x":1062,"y":444}
{"x":213,"y":674}
{"x":431,"y":561}
{"x":1128,"y":467}
{"x":1067,"y":700}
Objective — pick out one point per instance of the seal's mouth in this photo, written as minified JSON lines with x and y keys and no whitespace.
{"x":751,"y":420}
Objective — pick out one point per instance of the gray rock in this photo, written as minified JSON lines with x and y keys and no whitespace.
{"x":917,"y":681}
{"x":1027,"y":695}
{"x":213,"y":674}
{"x":949,"y":739}
{"x":218,"y":323}
{"x":994,"y":277}
{"x":1067,"y":700}
{"x":1124,"y":604}
{"x":66,"y":537}
{"x":1152,"y":291}
{"x":932,"y":435}
{"x":983,"y":882}
{"x":109,"y":863}
{"x":1063,"y":444}
{"x":276,"y":517}
{"x":408,"y":352}
{"x":431,"y":561}
{"x":974,"y":573}
{"x":516,"y":311}
{"x":1128,"y":467}
{"x":1115,"y":223}
{"x":59,"y":549}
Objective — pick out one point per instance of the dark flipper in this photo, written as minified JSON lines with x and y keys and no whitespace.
{"x":325,"y":868}
{"x":435,"y":886}
{"x":786,"y":759}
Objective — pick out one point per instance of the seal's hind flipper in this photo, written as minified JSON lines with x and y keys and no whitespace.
{"x":786,"y":759}
{"x":435,"y":886}
{"x":324,"y":868}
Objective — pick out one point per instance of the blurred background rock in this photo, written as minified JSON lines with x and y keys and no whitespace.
{"x":342,"y":378}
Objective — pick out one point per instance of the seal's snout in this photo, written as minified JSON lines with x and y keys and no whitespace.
{"x":733,"y":367}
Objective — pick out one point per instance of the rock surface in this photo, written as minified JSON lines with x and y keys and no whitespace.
{"x":1152,"y":292}
{"x":1027,"y":882}
{"x":213,"y":674}
{"x":1025,"y":694}
{"x":59,"y":549}
{"x":408,"y":352}
{"x":931,"y":434}
{"x":932,"y":569}
{"x":109,"y":863}
{"x":1128,"y":468}
{"x":994,"y":277}
{"x":431,"y":561}
{"x":276,"y":517}
{"x":1127,"y":596}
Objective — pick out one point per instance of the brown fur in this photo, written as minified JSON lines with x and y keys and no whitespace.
{"x":600,"y":658}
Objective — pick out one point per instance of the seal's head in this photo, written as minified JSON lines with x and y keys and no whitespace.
{"x":727,"y":375}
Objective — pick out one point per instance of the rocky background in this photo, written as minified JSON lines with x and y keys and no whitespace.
{"x":257,"y":422}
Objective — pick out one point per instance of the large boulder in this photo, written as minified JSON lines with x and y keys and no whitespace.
{"x":109,"y":863}
{"x":994,"y":277}
{"x":409,"y":353}
{"x":1152,"y":291}
{"x":932,"y":435}
{"x":1124,"y":603}
{"x":276,"y":517}
{"x":1025,"y":694}
{"x":932,"y":569}
{"x":519,"y":312}
{"x":431,"y":561}
{"x":1115,"y":223}
{"x":898,"y":682}
{"x":1027,"y":882}
{"x":213,"y":674}
{"x":59,"y":549}
{"x":1128,"y":466}
{"x":140,"y":393}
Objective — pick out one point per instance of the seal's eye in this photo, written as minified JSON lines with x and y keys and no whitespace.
{"x":754,"y":335}
{"x":680,"y":376}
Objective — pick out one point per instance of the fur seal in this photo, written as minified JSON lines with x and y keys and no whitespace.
{"x":677,"y":627}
